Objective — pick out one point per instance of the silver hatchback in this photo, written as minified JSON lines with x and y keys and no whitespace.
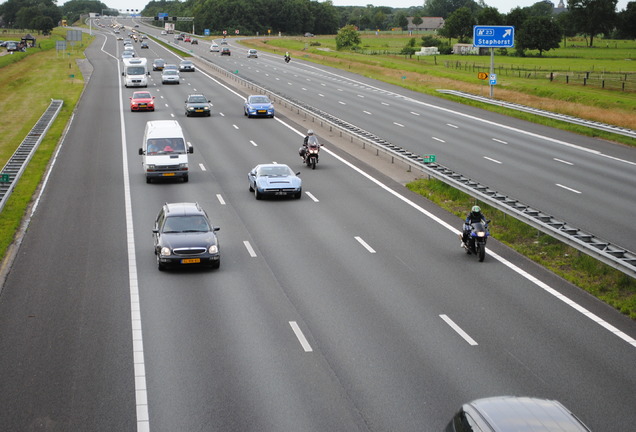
{"x":169,"y":76}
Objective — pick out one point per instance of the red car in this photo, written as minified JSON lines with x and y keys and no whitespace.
{"x":142,"y":101}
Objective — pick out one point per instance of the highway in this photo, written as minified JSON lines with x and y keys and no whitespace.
{"x":583,"y":181}
{"x":351,"y":309}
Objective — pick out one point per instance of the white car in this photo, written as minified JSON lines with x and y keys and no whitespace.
{"x":163,"y":32}
{"x":170,"y":76}
{"x":214,"y":48}
{"x":252,"y":53}
{"x":186,"y":66}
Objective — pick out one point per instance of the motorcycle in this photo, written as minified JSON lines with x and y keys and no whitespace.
{"x":287,"y":59}
{"x":309,"y":153}
{"x":476,"y":240}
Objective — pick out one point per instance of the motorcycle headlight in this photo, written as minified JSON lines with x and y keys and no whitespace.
{"x":165,"y":251}
{"x":481,"y":234}
{"x":213,"y":249}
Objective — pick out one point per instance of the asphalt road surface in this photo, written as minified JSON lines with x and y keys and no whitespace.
{"x":353,"y":308}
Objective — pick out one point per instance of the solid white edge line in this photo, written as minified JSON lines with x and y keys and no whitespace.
{"x":141,"y":395}
{"x":458,"y":329}
{"x":364,"y":244}
{"x":300,"y":336}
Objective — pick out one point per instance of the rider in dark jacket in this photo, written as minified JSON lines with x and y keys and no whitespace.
{"x":475,"y":215}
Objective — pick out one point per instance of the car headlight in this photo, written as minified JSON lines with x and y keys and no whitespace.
{"x":150,"y":167}
{"x":165,"y":251}
{"x":190,"y":108}
{"x":183,"y":166}
{"x":207,"y":108}
{"x":213,"y":249}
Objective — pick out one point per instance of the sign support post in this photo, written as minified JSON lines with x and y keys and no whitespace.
{"x":493,"y":37}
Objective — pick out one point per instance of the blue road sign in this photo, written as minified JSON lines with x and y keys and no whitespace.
{"x":494,"y":36}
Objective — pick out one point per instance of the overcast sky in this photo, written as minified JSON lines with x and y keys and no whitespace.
{"x":504,"y":6}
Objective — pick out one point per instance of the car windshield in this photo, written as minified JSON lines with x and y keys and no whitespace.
{"x":159,"y":62}
{"x":197,"y":99}
{"x":165,"y":146}
{"x":170,"y":72}
{"x":274,"y":171}
{"x":136,"y":70}
{"x":186,"y":224}
{"x":259,"y":99}
{"x":186,"y":63}
{"x":141,"y":96}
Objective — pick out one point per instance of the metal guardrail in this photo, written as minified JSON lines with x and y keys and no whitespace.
{"x":563,"y":117}
{"x":612,"y":255}
{"x":16,"y":165}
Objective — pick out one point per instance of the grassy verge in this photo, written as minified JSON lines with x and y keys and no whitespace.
{"x":610,"y":285}
{"x":429,"y":74}
{"x":172,"y":48}
{"x":26,"y":90}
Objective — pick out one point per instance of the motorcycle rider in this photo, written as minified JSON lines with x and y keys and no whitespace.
{"x":303,"y":149}
{"x":287,"y":57}
{"x":475,"y":215}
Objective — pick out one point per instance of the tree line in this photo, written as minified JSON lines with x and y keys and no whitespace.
{"x":536,"y":26}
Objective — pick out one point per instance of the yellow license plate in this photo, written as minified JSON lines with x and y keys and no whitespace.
{"x":167,"y":174}
{"x":191,"y":261}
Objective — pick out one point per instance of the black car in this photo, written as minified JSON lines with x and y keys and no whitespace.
{"x":510,"y":413}
{"x":184,"y":236}
{"x":197,"y":104}
{"x":158,"y":64}
{"x":226,"y":51}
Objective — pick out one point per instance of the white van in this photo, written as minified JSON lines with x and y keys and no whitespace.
{"x":165,"y":151}
{"x":136,"y":72}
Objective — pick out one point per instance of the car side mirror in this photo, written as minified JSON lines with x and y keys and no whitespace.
{"x":141,"y":152}
{"x":215,"y":229}
{"x":123,"y":73}
{"x":190,"y":148}
{"x":298,"y":173}
{"x":155,"y":231}
{"x":148,"y":73}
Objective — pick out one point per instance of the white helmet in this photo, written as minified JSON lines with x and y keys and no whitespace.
{"x":310,"y":132}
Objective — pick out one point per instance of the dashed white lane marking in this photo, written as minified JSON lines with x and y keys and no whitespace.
{"x":364,"y":244}
{"x":458,"y":329}
{"x":309,"y":194}
{"x":569,"y":189}
{"x":250,"y":249}
{"x":301,"y":337}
